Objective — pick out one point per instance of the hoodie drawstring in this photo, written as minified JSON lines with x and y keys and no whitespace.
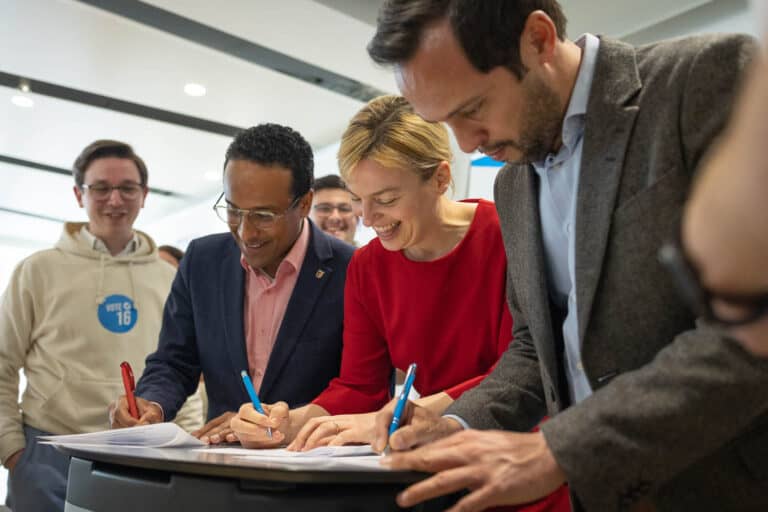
{"x":133,"y":287}
{"x":100,"y":288}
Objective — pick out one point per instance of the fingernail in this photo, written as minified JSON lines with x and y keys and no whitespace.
{"x":386,"y":461}
{"x":205,"y":439}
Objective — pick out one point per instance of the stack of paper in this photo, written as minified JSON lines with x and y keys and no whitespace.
{"x":322,"y":451}
{"x":322,"y":458}
{"x":159,"y":435}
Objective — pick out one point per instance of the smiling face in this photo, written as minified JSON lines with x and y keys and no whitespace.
{"x":496,"y":113}
{"x":249,"y":185}
{"x":327,"y":206}
{"x":111,"y":219}
{"x":397,"y":203}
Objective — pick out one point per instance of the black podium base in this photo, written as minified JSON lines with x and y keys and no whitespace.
{"x":102,"y":487}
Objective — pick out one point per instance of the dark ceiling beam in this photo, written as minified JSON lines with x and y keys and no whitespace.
{"x":244,"y":49}
{"x":67,"y":172}
{"x":31,"y":214}
{"x":126,"y":107}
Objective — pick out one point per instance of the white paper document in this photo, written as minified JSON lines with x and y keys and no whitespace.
{"x":159,"y":435}
{"x":322,"y":451}
{"x":324,"y":458}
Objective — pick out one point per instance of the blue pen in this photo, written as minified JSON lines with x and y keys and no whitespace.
{"x":254,"y":397}
{"x":410,"y":376}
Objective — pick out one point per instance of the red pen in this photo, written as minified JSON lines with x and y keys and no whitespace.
{"x":129,"y":386}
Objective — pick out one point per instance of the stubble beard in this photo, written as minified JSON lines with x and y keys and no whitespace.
{"x":541,"y":123}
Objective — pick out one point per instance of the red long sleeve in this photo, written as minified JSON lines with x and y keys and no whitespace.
{"x":448,"y":315}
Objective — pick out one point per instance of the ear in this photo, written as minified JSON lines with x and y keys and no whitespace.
{"x":442,"y":177}
{"x":144,"y":195}
{"x":305,"y":203}
{"x":78,"y":195}
{"x":538,"y":40}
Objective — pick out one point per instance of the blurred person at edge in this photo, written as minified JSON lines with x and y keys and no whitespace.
{"x":70,"y":316}
{"x":332,"y":208}
{"x":429,"y":289}
{"x":725,"y":229}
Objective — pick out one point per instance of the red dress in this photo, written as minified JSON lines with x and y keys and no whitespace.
{"x":448,"y":315}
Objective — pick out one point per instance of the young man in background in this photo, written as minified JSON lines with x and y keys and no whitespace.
{"x":70,"y":316}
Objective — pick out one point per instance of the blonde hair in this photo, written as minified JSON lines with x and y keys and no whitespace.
{"x":389,"y":132}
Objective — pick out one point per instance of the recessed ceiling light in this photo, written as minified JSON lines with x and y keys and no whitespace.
{"x":193,"y":89}
{"x":212,"y":176}
{"x":22,"y":101}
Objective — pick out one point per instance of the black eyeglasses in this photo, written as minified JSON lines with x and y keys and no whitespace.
{"x":731,"y":310}
{"x":328,"y":208}
{"x":128,"y":191}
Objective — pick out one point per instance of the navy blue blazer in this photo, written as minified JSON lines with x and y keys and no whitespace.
{"x":203,"y":330}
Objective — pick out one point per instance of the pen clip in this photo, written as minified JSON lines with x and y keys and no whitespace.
{"x":410,"y":375}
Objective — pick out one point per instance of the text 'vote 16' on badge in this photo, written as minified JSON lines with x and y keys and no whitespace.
{"x":117,"y":313}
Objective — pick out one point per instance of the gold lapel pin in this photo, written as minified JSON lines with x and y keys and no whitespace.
{"x":319,"y":274}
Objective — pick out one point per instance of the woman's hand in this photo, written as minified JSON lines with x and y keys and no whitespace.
{"x":335,"y":431}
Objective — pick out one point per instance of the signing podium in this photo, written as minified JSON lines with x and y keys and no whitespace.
{"x":119,"y":478}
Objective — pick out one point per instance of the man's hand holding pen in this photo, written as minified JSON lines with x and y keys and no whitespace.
{"x":120,"y":415}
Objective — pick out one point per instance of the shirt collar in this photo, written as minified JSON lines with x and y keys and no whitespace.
{"x":573,"y":124}
{"x":97,"y":244}
{"x":294,"y":259}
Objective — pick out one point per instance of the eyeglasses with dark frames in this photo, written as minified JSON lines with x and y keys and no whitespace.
{"x":328,"y":208}
{"x":725,"y":309}
{"x":256,"y":217}
{"x":128,"y":191}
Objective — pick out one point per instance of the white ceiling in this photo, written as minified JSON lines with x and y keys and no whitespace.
{"x":79,"y":47}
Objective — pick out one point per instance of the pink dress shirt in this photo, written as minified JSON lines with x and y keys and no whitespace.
{"x":266,"y":300}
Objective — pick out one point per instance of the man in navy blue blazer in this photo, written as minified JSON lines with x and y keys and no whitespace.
{"x":267,"y":298}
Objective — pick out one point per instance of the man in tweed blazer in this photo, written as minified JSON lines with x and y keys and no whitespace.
{"x":646,"y":405}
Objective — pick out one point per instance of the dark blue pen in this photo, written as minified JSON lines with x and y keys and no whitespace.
{"x":254,"y":397}
{"x":410,"y":376}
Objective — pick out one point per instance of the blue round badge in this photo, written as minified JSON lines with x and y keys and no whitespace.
{"x":117,"y":313}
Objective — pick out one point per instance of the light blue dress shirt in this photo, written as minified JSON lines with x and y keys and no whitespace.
{"x":559,"y":183}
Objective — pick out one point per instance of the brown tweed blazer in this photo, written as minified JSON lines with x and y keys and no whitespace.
{"x":679,"y":412}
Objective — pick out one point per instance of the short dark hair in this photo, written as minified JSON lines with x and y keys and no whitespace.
{"x":273,"y":144}
{"x":488,"y":30}
{"x":105,"y":148}
{"x":173,"y":251}
{"x":331,"y":181}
